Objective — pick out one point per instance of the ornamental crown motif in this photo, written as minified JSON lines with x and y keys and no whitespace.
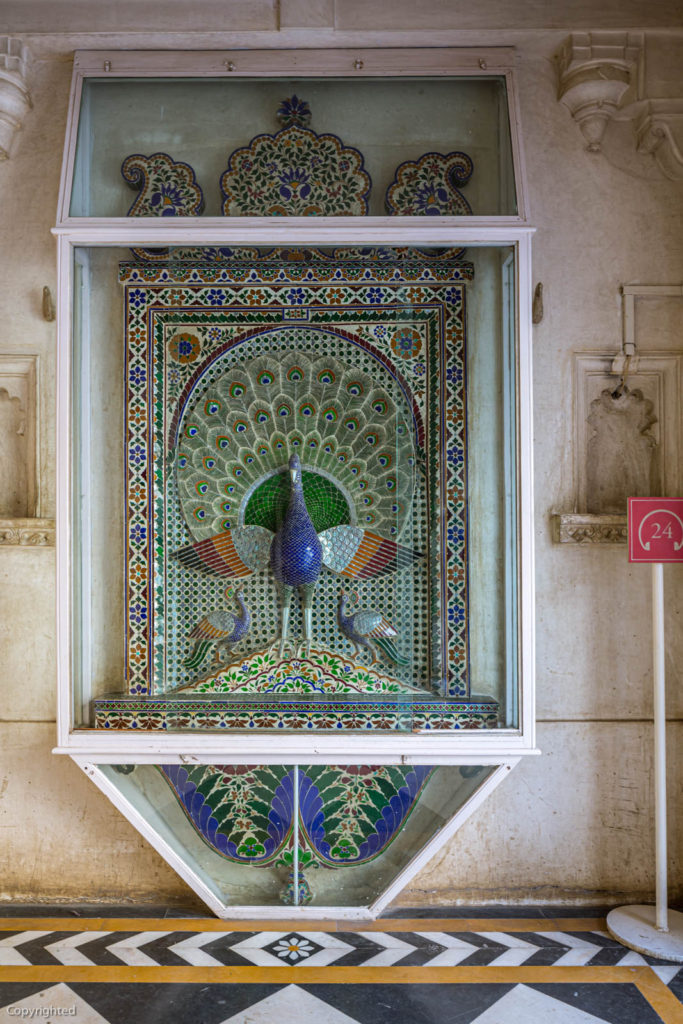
{"x":295,"y":172}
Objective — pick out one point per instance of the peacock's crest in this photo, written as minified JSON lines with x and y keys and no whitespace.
{"x":354,"y":439}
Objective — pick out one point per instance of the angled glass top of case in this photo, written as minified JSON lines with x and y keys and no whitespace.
{"x":294,"y":147}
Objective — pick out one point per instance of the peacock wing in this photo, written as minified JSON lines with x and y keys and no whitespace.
{"x":222,"y":621}
{"x":365,"y":622}
{"x":382,"y":628}
{"x":238,"y":552}
{"x":352,"y":551}
{"x":213,"y":626}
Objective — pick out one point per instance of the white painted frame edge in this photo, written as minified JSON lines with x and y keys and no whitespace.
{"x":225,"y":911}
{"x":64,"y":498}
{"x":244,"y":747}
{"x":525,"y":494}
{"x":434,"y":62}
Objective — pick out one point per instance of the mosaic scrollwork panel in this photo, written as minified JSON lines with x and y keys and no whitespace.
{"x":296,"y":172}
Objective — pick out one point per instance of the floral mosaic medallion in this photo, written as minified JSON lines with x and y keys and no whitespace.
{"x":295,"y":172}
{"x":430,"y":186}
{"x":406,"y":343}
{"x":184,"y":347}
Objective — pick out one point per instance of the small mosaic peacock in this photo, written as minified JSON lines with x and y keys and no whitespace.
{"x":369,"y":628}
{"x":219,"y":629}
{"x":340,"y":501}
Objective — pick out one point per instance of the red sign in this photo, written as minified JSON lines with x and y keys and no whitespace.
{"x":655,"y":529}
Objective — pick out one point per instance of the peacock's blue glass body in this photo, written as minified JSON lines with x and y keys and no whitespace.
{"x":296,"y":554}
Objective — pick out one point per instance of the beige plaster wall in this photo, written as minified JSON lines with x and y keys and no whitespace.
{"x":574,"y":824}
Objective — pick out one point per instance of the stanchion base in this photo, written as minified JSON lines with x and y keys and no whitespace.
{"x":637,"y":928}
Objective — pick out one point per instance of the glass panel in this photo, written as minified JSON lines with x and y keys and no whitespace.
{"x":416,"y":146}
{"x":492,"y":479}
{"x":317,"y":835}
{"x":389,"y":375}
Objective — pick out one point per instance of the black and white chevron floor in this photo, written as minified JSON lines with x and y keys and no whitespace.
{"x":422,"y":970}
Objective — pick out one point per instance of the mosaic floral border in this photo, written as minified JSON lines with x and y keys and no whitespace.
{"x":178,"y":712}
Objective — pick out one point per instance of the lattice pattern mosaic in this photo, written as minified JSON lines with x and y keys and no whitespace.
{"x":357,"y":366}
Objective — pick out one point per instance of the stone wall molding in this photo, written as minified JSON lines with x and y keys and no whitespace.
{"x":628,"y":422}
{"x":34,"y":533}
{"x":19,"y":433}
{"x":582,"y":528}
{"x":625,"y":77}
{"x":15,"y":98}
{"x":659,"y":132}
{"x":596,"y":70}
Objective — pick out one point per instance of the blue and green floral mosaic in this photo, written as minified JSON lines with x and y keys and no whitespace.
{"x":346,"y":815}
{"x":296,"y":172}
{"x":430,"y":186}
{"x":309,"y":713}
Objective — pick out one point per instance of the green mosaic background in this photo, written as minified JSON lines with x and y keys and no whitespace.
{"x":402,"y":597}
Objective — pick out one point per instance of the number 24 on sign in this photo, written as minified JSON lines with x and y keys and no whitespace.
{"x":655,"y":529}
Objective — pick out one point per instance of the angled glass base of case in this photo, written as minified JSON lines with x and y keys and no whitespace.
{"x":310,"y":840}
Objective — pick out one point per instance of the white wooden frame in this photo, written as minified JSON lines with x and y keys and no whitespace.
{"x":473,"y":747}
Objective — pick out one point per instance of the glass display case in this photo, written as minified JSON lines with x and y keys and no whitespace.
{"x":356,"y":364}
{"x":388,"y":110}
{"x":304,"y":840}
{"x":295,"y":516}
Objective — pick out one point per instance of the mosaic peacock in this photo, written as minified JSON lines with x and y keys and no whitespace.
{"x":368,"y":628}
{"x":297,"y":466}
{"x":219,"y":629}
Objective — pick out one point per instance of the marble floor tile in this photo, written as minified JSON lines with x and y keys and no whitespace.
{"x":450,"y":969}
{"x":291,"y":1005}
{"x":57,"y":1003}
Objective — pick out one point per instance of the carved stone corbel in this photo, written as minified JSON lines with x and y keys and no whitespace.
{"x":15,"y":99}
{"x":596,"y":70}
{"x":659,"y":132}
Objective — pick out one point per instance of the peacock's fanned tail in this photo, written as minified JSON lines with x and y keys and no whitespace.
{"x":391,"y":651}
{"x":354,"y":439}
{"x":199,"y":653}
